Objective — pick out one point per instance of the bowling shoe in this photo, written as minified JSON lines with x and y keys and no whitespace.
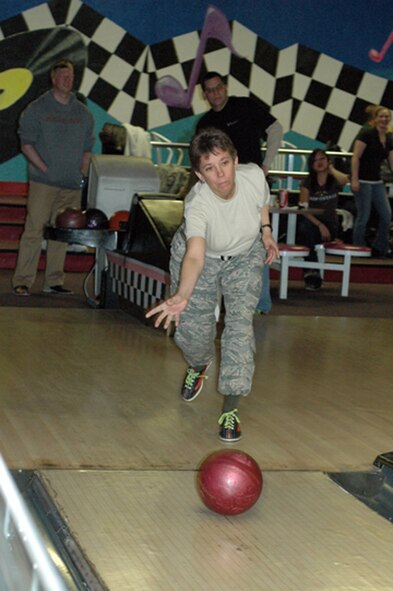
{"x":57,"y":289}
{"x":229,"y":426}
{"x":193,"y":383}
{"x":21,"y":290}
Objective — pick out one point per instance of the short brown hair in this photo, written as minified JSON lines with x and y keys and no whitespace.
{"x":210,"y":76}
{"x":63,"y":63}
{"x":208,"y":141}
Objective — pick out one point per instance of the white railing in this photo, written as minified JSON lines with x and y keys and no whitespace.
{"x":291,"y":152}
{"x":25,"y":564}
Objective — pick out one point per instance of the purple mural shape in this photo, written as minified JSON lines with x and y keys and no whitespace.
{"x":377,"y":56}
{"x":168,"y":89}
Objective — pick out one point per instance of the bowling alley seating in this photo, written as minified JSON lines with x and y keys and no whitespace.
{"x":346,"y":252}
{"x":290,"y":254}
{"x":293,"y":256}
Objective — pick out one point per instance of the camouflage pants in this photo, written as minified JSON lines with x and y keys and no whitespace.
{"x":239,"y":281}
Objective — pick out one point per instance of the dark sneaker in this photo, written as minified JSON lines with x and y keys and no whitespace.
{"x":59,"y":289}
{"x":312,"y":282}
{"x":193,"y":383}
{"x":21,"y":290}
{"x":230,"y":426}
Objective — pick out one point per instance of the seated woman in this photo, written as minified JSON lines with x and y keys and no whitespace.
{"x":319,"y":191}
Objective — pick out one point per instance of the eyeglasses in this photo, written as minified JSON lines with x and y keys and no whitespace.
{"x":214,"y":89}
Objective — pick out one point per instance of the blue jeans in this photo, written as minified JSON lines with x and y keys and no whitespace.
{"x":308,"y":234}
{"x":265,"y":301}
{"x":368,"y":195}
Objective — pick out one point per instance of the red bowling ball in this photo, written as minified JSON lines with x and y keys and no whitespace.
{"x":229,"y":482}
{"x":119,"y":220}
{"x":71,"y":218}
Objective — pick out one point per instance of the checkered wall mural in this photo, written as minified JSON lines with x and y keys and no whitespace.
{"x":309,"y":92}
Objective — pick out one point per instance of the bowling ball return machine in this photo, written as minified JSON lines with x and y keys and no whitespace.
{"x":112,"y":182}
{"x":139,"y":270}
{"x":102,"y":240}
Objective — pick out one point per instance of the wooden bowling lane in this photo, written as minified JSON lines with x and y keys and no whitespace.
{"x":90,"y":398}
{"x":98,"y":389}
{"x":149,"y":531}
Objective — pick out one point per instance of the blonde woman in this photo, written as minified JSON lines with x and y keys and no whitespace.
{"x":372,"y":147}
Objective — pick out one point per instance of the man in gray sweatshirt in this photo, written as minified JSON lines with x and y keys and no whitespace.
{"x":57,"y":136}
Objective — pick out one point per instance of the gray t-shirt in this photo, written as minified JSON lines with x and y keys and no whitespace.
{"x":231,"y":226}
{"x":60,"y":134}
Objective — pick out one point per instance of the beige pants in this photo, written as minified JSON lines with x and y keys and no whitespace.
{"x":43,"y":205}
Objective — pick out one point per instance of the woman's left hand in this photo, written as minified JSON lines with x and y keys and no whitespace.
{"x":272,"y":250}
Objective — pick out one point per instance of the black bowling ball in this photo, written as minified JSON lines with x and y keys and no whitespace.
{"x":96,"y":219}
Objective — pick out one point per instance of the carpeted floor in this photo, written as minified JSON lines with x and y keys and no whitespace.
{"x":37,"y":299}
{"x":365,"y":299}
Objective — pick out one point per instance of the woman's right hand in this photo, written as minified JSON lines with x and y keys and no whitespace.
{"x":169,"y":311}
{"x":325,"y":233}
{"x":355,"y":186}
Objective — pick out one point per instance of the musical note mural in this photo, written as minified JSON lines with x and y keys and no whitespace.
{"x":168,"y":89}
{"x":125,"y":78}
{"x":377,"y":56}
